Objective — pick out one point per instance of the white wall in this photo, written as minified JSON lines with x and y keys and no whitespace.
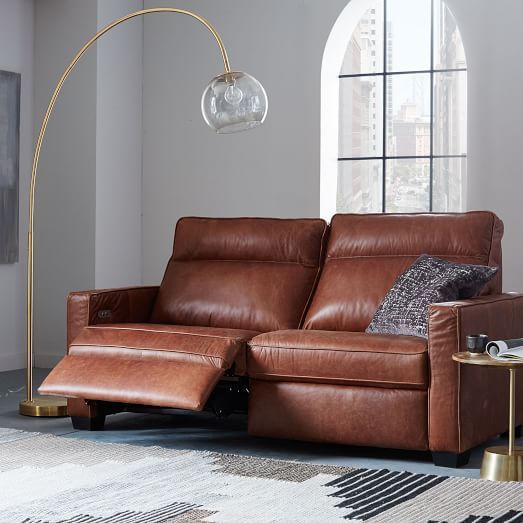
{"x":16,"y":54}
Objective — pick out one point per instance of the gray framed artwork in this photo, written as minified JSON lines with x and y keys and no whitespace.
{"x":9,"y":165}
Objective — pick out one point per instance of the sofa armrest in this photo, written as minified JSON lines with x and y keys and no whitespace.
{"x":467,"y":402}
{"x":126,"y":305}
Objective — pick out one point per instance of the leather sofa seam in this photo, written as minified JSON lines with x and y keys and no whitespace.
{"x":256,"y":346}
{"x":483,"y":300}
{"x":258,"y":375}
{"x":108,"y":327}
{"x":419,"y":213}
{"x":148,"y":349}
{"x":86,"y":321}
{"x":457,"y":317}
{"x":92,"y":294}
{"x":319,"y":269}
{"x":493,"y":223}
{"x":190,"y":260}
{"x":256,"y":218}
{"x":329,"y":257}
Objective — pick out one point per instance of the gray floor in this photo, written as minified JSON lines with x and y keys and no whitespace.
{"x":202,"y":431}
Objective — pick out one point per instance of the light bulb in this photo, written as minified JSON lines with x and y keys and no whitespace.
{"x":234,"y":101}
{"x":233,"y":94}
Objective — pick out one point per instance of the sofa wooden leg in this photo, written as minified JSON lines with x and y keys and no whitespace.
{"x":86,"y":415}
{"x":450,"y":459}
{"x":86,"y":423}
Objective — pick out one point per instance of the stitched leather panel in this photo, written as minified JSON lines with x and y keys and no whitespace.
{"x":147,"y":364}
{"x":217,"y":347}
{"x":339,"y":357}
{"x":133,"y":304}
{"x":366,"y":253}
{"x":243,"y":273}
{"x":469,"y":404}
{"x":247,"y":239}
{"x":391,"y":418}
{"x":158,"y":382}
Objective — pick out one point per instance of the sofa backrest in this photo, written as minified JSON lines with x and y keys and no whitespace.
{"x":366,"y":253}
{"x":244,"y":273}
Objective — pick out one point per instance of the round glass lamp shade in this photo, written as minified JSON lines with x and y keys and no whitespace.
{"x":234,"y":102}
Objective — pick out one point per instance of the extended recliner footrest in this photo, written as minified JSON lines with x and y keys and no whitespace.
{"x":165,"y":383}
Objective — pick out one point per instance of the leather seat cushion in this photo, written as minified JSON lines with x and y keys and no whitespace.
{"x":158,"y":382}
{"x":375,"y":360}
{"x":209,"y":346}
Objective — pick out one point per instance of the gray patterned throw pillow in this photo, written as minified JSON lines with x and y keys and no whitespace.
{"x":428,"y":280}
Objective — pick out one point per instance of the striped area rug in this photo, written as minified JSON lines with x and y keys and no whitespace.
{"x":49,"y":479}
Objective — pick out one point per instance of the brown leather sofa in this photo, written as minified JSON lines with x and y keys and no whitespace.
{"x":279,"y":307}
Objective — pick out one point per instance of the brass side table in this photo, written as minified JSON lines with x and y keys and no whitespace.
{"x":500,"y":463}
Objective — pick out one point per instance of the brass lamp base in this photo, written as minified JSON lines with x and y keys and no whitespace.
{"x":498,"y":465}
{"x":44,"y":407}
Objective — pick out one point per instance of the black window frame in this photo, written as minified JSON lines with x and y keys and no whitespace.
{"x":386,"y":74}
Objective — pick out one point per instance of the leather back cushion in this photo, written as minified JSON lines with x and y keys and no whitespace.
{"x":366,"y":253}
{"x":241,"y":273}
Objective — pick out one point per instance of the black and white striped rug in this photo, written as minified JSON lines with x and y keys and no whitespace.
{"x":44,"y":478}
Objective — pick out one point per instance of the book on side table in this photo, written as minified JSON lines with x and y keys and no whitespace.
{"x":506,"y":350}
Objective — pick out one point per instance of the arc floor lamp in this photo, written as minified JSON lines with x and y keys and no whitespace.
{"x":233,"y":101}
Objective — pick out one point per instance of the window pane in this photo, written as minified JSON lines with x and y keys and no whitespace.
{"x":408,"y":115}
{"x":407,"y":185}
{"x":448,"y":184}
{"x":450,"y":113}
{"x":359,"y":186}
{"x":408,"y":35}
{"x":361,"y":120}
{"x":364,"y":53}
{"x":448,"y":46}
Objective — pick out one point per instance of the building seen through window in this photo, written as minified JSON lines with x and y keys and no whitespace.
{"x":402,"y":111}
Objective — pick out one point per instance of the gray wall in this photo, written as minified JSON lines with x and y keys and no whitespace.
{"x":270,"y":171}
{"x":88,"y":220}
{"x":16,"y":54}
{"x":65,"y":191}
{"x":119,"y":148}
{"x":492,"y":35}
{"x":274,"y":170}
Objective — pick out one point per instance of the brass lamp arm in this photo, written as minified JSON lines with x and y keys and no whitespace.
{"x":38,"y":147}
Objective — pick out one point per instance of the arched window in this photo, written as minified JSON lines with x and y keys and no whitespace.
{"x":394,"y":99}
